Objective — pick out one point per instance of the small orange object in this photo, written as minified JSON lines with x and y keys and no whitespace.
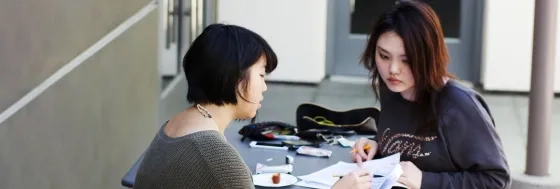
{"x":367,"y":146}
{"x":276,"y":178}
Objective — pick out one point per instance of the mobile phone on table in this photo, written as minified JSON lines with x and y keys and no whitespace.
{"x":294,"y":144}
{"x":275,"y":144}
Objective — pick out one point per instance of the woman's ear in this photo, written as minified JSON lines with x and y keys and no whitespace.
{"x":243,"y":88}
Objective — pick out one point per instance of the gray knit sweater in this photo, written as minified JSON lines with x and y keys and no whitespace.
{"x":199,"y":160}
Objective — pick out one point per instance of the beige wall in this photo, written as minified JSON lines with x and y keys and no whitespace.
{"x":85,"y":130}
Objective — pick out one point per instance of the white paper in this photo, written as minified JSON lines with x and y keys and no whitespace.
{"x":391,"y":180}
{"x":325,"y":175}
{"x":387,"y":167}
{"x":312,"y":185}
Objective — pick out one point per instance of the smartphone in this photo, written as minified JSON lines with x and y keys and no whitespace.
{"x":293,"y":144}
{"x":268,"y":144}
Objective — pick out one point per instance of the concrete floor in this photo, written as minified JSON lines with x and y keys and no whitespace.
{"x":510,"y":113}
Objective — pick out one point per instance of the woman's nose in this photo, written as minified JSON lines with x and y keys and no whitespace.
{"x":394,"y":68}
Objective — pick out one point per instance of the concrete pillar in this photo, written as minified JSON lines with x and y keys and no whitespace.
{"x":542,"y":85}
{"x":540,"y":100}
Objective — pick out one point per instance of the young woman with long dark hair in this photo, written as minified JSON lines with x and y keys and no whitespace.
{"x":443,"y":130}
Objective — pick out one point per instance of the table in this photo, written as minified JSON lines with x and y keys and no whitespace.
{"x":303,"y":165}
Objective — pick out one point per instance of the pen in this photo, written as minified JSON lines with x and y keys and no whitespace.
{"x":365,"y":148}
{"x":374,"y":176}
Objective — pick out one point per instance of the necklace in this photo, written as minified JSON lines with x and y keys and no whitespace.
{"x":205,"y":113}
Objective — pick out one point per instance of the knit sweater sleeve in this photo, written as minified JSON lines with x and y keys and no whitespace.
{"x":199,"y":160}
{"x":225,"y":166}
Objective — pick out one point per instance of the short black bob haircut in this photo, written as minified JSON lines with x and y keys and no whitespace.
{"x":218,"y":61}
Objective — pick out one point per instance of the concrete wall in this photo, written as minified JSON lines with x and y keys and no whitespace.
{"x":508,"y":46}
{"x":86,"y":129}
{"x":296,"y":30}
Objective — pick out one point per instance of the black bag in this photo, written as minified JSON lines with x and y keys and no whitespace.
{"x":313,"y":117}
{"x":258,"y":131}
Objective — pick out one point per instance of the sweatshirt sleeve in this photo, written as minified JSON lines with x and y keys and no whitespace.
{"x":474,"y":146}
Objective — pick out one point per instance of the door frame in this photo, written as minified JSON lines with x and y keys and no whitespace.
{"x":172,"y":95}
{"x":334,"y":45}
{"x":168,"y":37}
{"x":177,"y":27}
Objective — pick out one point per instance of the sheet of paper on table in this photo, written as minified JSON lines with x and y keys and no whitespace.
{"x":388,"y":167}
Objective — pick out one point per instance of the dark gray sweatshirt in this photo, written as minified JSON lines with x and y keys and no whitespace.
{"x":464,"y":153}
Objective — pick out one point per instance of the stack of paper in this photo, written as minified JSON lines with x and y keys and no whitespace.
{"x":388,"y":167}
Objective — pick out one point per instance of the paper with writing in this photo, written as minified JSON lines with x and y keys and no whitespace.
{"x":388,"y":168}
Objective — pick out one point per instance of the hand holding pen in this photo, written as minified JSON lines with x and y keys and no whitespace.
{"x":364,"y":149}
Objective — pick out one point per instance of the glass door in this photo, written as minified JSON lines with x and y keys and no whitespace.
{"x":180,"y":22}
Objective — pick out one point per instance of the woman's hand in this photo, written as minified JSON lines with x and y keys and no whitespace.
{"x":361,"y":154}
{"x":359,"y":179}
{"x":411,"y":176}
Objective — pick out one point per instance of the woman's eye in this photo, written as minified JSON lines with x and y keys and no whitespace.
{"x":383,"y":56}
{"x":262,"y":75}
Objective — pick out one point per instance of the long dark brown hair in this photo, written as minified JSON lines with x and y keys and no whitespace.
{"x":419,"y":27}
